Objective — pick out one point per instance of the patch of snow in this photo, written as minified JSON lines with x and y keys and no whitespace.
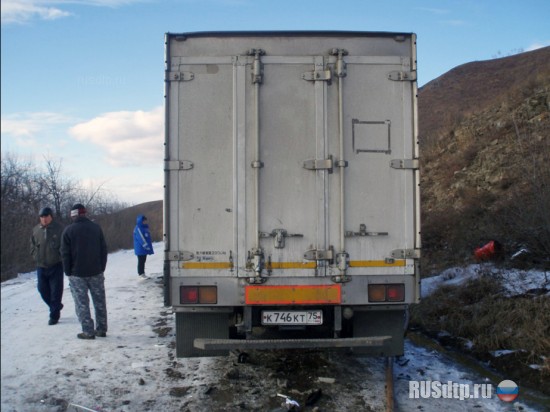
{"x":503,"y":352}
{"x":514,"y":282}
{"x":467,"y":343}
{"x":520,"y":252}
{"x":520,"y":282}
{"x":449,"y":277}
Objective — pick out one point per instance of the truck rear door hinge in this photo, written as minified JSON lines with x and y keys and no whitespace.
{"x":406,"y":254}
{"x":177,"y":165}
{"x":319,"y":164}
{"x":405,"y":164}
{"x":257,"y":76}
{"x":402,"y":76}
{"x":179,"y":76}
{"x":178,"y":255}
{"x":316,"y":254}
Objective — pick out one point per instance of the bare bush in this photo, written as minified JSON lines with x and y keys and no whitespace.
{"x":25,"y":189}
{"x":21,"y":197}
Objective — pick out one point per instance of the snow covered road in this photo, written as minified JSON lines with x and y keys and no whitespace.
{"x":46,"y":368}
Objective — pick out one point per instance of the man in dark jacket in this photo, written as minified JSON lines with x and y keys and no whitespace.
{"x":46,"y":251}
{"x":84,"y":254}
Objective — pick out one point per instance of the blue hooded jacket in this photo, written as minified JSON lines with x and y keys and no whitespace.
{"x":142,"y":238}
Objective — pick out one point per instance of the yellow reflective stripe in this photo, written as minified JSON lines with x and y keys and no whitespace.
{"x":375,"y":263}
{"x":291,"y":265}
{"x":206,"y":265}
{"x":293,"y":295}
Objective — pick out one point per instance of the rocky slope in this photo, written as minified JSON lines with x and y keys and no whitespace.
{"x":484,"y":133}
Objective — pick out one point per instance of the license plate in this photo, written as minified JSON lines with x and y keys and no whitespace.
{"x":303,"y":317}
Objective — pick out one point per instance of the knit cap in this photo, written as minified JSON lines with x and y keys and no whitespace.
{"x":78,"y":210}
{"x":45,"y":211}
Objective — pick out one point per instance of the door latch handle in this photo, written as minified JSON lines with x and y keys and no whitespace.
{"x":279,"y":236}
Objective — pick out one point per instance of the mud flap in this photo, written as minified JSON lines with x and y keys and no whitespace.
{"x":380,"y":322}
{"x":200,"y":325}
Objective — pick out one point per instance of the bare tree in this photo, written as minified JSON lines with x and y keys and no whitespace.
{"x":20,"y":196}
{"x":59,"y":190}
{"x":24,"y":190}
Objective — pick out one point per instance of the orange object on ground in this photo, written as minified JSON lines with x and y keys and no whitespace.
{"x":488,"y":251}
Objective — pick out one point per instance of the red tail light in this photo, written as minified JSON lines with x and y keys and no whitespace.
{"x":198,"y":294}
{"x":387,"y":293}
{"x":189,"y":294}
{"x":395,"y":293}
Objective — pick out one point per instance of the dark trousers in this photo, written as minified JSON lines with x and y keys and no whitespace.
{"x":50,"y":287}
{"x":95,"y":285}
{"x":141,"y":264}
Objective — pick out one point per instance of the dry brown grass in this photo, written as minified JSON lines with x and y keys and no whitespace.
{"x":479,"y":312}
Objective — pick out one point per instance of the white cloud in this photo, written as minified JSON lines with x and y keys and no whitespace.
{"x":141,"y":189}
{"x":30,"y":124}
{"x":128,"y":138}
{"x":22,"y":11}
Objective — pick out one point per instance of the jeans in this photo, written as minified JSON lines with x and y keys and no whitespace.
{"x":50,"y":287}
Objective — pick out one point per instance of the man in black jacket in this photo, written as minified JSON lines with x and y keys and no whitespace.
{"x":46,"y":251}
{"x":84,"y":254}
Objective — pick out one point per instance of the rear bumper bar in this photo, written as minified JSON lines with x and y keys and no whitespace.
{"x":231,"y":344}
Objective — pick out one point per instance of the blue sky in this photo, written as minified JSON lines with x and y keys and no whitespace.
{"x":82,"y":80}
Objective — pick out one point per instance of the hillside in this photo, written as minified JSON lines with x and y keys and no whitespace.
{"x":474,"y":87}
{"x":119,"y":226}
{"x":484,"y":133}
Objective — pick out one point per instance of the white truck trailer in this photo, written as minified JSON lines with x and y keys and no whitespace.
{"x":291,"y":190}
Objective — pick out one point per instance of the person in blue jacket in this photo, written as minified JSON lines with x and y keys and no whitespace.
{"x":142,"y":243}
